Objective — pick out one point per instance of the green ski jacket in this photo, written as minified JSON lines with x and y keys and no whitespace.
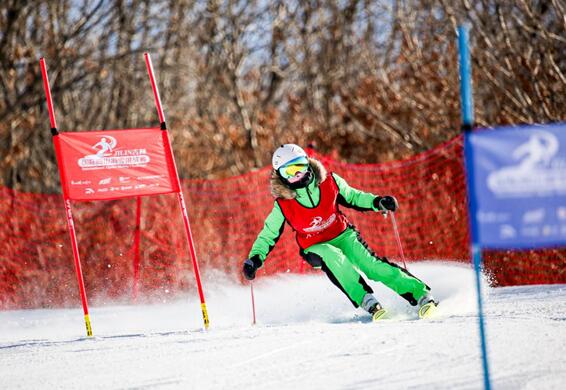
{"x":308,"y":197}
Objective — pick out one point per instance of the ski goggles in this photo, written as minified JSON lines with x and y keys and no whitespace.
{"x":290,"y":169}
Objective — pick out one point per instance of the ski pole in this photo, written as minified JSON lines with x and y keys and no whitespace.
{"x":253,"y":302}
{"x":398,"y":238}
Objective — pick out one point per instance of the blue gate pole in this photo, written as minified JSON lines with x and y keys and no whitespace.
{"x":467,"y":125}
{"x":466,"y":98}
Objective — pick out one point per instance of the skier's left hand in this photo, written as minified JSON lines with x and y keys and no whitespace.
{"x":250,"y":267}
{"x":386,"y":203}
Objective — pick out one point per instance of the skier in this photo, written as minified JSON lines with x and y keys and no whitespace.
{"x":307,"y":197}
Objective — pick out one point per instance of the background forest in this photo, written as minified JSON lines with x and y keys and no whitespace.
{"x":366,"y":81}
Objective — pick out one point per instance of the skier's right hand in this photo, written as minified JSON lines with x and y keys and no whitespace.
{"x":250,"y":267}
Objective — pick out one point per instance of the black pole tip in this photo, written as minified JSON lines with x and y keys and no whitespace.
{"x":467,"y":127}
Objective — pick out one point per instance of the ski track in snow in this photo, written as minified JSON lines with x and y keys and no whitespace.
{"x":308,"y":336}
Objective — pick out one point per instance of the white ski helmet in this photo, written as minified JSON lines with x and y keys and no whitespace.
{"x":285,"y":154}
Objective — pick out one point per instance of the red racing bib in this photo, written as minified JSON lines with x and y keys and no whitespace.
{"x":318,"y":224}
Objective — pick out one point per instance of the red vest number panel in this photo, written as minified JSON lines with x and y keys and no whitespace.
{"x":321,"y":223}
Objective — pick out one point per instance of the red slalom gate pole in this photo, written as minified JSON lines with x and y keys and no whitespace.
{"x":158,"y":105}
{"x":398,"y":238}
{"x":180,"y":196}
{"x":48,"y":95}
{"x":193,"y":258}
{"x":67,"y":201}
{"x":137,"y":239}
{"x":78,"y":269}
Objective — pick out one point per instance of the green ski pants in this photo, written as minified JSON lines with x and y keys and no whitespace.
{"x":344,"y":256}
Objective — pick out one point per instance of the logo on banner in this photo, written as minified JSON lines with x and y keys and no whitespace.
{"x":104,"y":147}
{"x":537,"y":172}
{"x":108,"y":157}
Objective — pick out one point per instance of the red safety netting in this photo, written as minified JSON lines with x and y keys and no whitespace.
{"x":36,"y":266}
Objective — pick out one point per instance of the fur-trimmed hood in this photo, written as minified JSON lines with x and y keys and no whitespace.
{"x":280,"y":190}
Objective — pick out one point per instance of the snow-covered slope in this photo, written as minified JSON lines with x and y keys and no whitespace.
{"x":308,"y":336}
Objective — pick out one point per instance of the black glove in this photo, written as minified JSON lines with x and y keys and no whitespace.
{"x":385,"y":203}
{"x":251,"y":266}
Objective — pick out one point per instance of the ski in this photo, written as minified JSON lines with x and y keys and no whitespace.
{"x":379,"y":315}
{"x":427,"y":310}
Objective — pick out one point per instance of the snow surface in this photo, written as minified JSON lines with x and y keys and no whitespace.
{"x":308,"y":336}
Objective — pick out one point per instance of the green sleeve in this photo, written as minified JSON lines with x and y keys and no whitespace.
{"x":269,"y":235}
{"x":353,"y":198}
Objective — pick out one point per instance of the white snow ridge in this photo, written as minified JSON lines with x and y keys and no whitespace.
{"x":308,"y":336}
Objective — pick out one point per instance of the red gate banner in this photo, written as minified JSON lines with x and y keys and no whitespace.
{"x":113,"y":164}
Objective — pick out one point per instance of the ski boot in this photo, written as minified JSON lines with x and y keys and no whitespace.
{"x":373,"y":307}
{"x":377,"y":312}
{"x":427,"y":305}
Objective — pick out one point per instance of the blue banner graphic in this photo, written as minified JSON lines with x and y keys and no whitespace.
{"x":519,"y":188}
